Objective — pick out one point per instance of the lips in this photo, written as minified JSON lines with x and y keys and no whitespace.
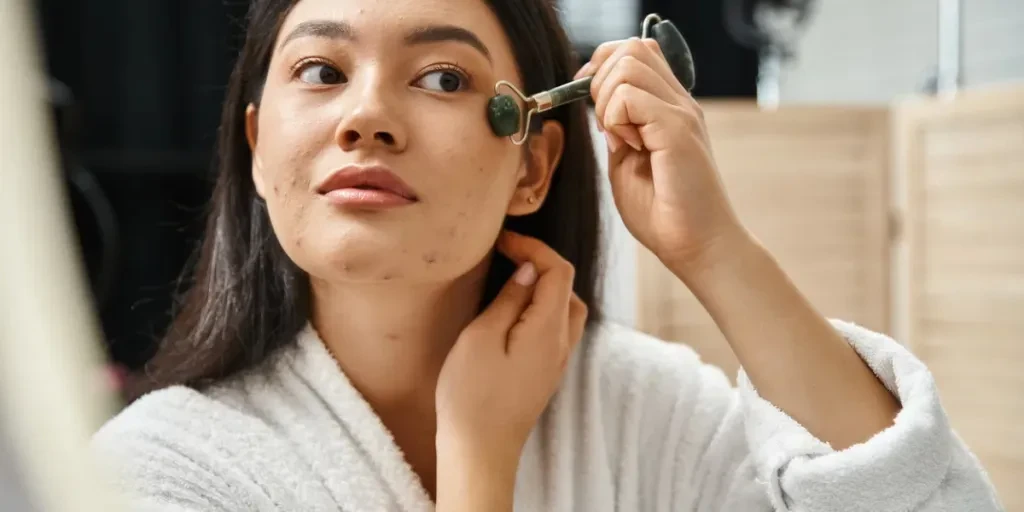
{"x":372,"y":180}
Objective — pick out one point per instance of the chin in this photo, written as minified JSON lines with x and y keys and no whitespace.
{"x":352,"y":255}
{"x":344,"y":247}
{"x":373,"y":259}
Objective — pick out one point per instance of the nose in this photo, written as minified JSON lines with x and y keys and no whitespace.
{"x":370,"y":122}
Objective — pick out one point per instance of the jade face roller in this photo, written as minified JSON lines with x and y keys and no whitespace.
{"x":507,"y":118}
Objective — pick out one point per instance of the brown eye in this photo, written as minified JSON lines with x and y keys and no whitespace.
{"x":318,"y":73}
{"x":444,"y":81}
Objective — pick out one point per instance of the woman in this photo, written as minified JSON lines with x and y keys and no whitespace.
{"x":390,"y":300}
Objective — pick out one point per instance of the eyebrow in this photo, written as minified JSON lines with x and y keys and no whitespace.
{"x":321,"y":28}
{"x":441,"y":33}
{"x":428,"y":34}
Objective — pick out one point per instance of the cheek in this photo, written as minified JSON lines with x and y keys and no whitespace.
{"x":286,"y":182}
{"x":287,"y":151}
{"x":474,"y":198}
{"x":280,"y":163}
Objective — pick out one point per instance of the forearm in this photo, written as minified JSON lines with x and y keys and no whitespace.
{"x":468,"y":481}
{"x":790,"y":352}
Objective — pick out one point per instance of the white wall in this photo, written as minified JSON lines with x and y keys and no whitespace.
{"x":876,"y":51}
{"x":592,"y":22}
{"x":873,"y":51}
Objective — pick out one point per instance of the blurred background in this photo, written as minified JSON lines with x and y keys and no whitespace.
{"x":876,"y":147}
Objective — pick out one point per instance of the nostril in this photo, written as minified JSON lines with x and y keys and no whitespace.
{"x":385,"y":137}
{"x":351,"y":137}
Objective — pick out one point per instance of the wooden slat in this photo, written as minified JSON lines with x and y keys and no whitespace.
{"x":963,"y":162}
{"x":811,"y":184}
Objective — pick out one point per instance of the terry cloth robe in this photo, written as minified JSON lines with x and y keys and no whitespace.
{"x":638,"y":424}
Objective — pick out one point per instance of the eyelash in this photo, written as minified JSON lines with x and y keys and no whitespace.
{"x":299,"y":66}
{"x":453,"y":68}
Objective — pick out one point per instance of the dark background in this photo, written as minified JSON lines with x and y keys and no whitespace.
{"x":138,"y":86}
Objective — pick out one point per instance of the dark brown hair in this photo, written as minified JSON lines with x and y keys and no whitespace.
{"x":246,"y":298}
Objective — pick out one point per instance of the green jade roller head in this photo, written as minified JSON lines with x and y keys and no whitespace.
{"x":507,"y":118}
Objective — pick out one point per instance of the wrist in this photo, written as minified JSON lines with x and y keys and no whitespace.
{"x":474,"y":477}
{"x":461,"y":449}
{"x":723,"y":253}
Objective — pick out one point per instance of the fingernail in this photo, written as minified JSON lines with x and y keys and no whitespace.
{"x":635,"y":145}
{"x":526,"y":275}
{"x":613,"y":142}
{"x":584,"y":70}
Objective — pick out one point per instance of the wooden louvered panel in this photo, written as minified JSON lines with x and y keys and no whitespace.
{"x":810,"y":183}
{"x":963,"y":161}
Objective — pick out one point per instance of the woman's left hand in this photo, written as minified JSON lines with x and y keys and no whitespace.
{"x":668,"y":190}
{"x":663,"y":176}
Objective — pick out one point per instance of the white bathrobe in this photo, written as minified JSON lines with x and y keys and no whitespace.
{"x":637,"y":425}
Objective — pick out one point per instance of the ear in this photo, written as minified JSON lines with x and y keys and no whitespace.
{"x":544,"y":152}
{"x":251,"y":133}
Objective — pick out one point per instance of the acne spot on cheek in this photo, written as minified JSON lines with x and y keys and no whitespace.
{"x":276,"y":189}
{"x":430,"y":258}
{"x":391,"y":336}
{"x":300,"y":211}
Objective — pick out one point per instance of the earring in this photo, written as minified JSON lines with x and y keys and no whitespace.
{"x":531,"y":199}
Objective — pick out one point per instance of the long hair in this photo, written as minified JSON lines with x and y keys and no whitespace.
{"x":245,"y":298}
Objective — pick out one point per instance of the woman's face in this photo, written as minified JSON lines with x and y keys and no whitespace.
{"x":401,"y":85}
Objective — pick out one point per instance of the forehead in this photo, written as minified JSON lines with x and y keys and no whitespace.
{"x":385,"y":23}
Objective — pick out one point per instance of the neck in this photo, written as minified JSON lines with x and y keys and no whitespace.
{"x":391,"y":339}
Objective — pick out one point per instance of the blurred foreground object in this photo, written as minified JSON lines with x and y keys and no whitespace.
{"x":52,"y":395}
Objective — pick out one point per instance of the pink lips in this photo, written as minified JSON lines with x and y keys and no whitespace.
{"x":366,"y":187}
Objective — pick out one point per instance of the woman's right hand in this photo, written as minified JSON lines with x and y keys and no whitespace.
{"x":506,"y":365}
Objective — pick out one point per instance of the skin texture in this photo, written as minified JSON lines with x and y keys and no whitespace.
{"x":396,"y":292}
{"x":392,"y":289}
{"x":669,"y":193}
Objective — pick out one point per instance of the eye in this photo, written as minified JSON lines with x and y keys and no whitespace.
{"x":320,"y":73}
{"x":444,"y":80}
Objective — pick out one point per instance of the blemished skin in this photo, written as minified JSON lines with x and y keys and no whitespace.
{"x":409,"y":278}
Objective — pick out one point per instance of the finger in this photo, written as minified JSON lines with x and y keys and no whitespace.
{"x":624,"y":136}
{"x":555,"y":275}
{"x":578,"y":313}
{"x":521,"y":248}
{"x":632,"y":71}
{"x":571,"y":330}
{"x":615,"y":143}
{"x":600,"y":55}
{"x":584,"y":70}
{"x":508,"y":306}
{"x":658,"y":121}
{"x":645,"y":50}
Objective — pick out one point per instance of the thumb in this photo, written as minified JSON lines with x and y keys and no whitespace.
{"x":511,"y":301}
